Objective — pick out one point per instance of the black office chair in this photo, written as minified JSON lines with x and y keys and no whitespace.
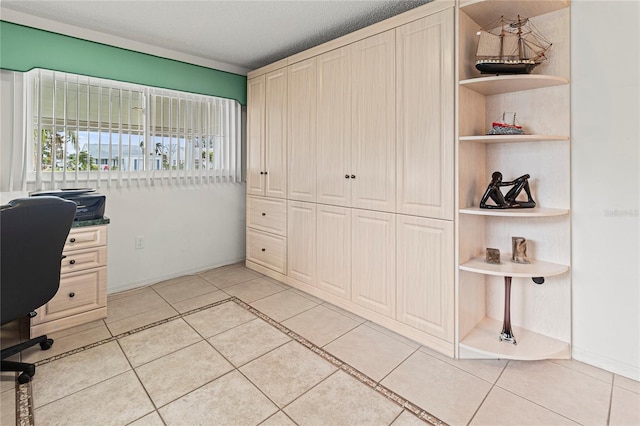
{"x":33,"y":233}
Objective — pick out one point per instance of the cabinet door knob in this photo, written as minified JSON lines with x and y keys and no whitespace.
{"x":264,"y":214}
{"x":264,"y":249}
{"x":353,"y":176}
{"x":346,"y":176}
{"x":72,"y":262}
{"x":72,"y":240}
{"x":261,"y":173}
{"x":72,"y":294}
{"x":265,"y":173}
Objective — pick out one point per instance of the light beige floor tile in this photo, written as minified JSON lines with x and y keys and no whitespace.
{"x":172,"y":281}
{"x":278,"y":419}
{"x":392,"y":334}
{"x":7,"y":381}
{"x":287,"y":372}
{"x":185,"y":290}
{"x":487,"y":369}
{"x":177,"y":374}
{"x":504,"y":408}
{"x":248,"y":341}
{"x":307,"y":295}
{"x":126,"y":293}
{"x":141,"y":319}
{"x":370,"y":351}
{"x":626,"y":383}
{"x":200,"y":301}
{"x":342,"y":400}
{"x":443,"y":390}
{"x":77,"y":372}
{"x":589,"y":370}
{"x":229,"y":276}
{"x":218,"y":319}
{"x":159,"y":341}
{"x":8,"y":407}
{"x":152,"y":419}
{"x":250,"y":291}
{"x":230,"y":400}
{"x":67,"y":343}
{"x":283,"y":305}
{"x":136,"y":303}
{"x":407,"y":419}
{"x":354,"y":317}
{"x":625,"y":407}
{"x":116,"y":401}
{"x":320,"y":325}
{"x":565,"y":391}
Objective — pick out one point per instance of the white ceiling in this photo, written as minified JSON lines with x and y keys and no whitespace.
{"x":243,"y":34}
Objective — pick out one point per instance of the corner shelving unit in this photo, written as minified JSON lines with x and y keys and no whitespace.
{"x":541,"y":314}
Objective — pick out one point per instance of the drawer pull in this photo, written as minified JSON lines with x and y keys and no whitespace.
{"x":72,"y":262}
{"x":72,"y":294}
{"x":72,"y":240}
{"x":264,"y":214}
{"x":264,"y":249}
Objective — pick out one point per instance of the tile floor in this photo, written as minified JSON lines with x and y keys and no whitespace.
{"x":186,"y":355}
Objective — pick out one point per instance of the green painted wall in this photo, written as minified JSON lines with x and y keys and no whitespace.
{"x":24,"y":48}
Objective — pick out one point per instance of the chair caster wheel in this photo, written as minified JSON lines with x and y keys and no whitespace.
{"x":24,"y":378}
{"x":46,"y":344}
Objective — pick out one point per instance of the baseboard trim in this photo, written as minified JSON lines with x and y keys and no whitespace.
{"x":612,"y":365}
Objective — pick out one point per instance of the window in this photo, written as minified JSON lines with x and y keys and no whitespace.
{"x":90,"y":130}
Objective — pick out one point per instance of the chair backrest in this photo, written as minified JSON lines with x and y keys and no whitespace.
{"x":33,"y":234}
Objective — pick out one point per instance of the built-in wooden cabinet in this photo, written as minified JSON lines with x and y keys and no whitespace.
{"x":540,"y":314}
{"x":302,"y":131}
{"x":425,"y":267}
{"x":425,"y":108}
{"x":370,"y":144}
{"x":267,"y":134}
{"x":373,"y":168}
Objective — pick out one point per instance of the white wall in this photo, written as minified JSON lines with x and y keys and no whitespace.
{"x":606,"y":184}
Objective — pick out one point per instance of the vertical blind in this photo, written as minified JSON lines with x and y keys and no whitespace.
{"x":85,"y":131}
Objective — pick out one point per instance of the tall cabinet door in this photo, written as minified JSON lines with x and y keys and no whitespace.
{"x":255,"y":135}
{"x":301,"y":135}
{"x":425,"y":279}
{"x":373,"y":260}
{"x":425,"y":90}
{"x":333,"y":233}
{"x":373,"y":122}
{"x":333,"y":128}
{"x":275,"y":155}
{"x":301,"y":241}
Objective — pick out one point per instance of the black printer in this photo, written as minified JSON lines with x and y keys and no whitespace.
{"x":89,"y":204}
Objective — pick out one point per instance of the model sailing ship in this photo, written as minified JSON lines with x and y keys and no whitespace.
{"x":510,"y":47}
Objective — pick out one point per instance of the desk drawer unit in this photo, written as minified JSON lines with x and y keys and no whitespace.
{"x":267,"y":250}
{"x":82,"y":296}
{"x":267,"y":214}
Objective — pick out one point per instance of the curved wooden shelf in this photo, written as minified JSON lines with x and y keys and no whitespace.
{"x":537,"y":268}
{"x":511,"y":83}
{"x":535,"y":212}
{"x":483,"y":342}
{"x":483,"y":12}
{"x":512,"y":138}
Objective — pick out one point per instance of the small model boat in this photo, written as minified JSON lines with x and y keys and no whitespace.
{"x":501,"y":127}
{"x":510,"y":47}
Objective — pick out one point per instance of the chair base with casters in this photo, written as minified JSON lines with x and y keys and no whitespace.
{"x":28,"y":370}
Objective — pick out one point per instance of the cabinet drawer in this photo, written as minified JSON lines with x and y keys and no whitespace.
{"x":78,"y":292}
{"x":80,"y":260}
{"x":267,"y":250}
{"x":85,"y":237}
{"x":267,"y":214}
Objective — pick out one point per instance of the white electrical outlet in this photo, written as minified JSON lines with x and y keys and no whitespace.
{"x":139,"y":242}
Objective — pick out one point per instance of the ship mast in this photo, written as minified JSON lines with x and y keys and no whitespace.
{"x":502,"y":32}
{"x":520,"y":41}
